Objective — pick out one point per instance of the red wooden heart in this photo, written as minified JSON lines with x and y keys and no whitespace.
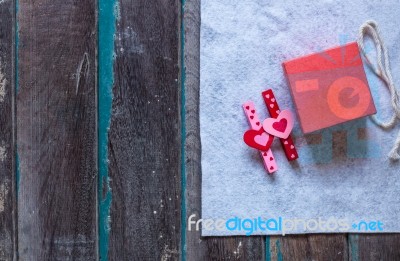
{"x":280,"y":125}
{"x":258,"y":139}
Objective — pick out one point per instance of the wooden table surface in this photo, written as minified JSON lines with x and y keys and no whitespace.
{"x":99,"y":139}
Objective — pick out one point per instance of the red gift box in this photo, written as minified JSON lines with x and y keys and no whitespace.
{"x":329,"y":87}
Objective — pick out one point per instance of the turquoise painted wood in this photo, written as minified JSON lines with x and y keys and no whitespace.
{"x":107,"y":12}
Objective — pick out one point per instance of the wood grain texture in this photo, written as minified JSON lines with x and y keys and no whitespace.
{"x":7,"y":144}
{"x":234,"y":248}
{"x":144,"y":149}
{"x":56,"y":130}
{"x":208,"y":248}
{"x":375,"y":247}
{"x":308,"y":247}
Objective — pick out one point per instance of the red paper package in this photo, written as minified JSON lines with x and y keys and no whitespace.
{"x":329,"y":87}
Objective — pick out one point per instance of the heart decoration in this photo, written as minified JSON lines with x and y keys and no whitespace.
{"x":281,"y":126}
{"x":263,"y":133}
{"x":258,"y":139}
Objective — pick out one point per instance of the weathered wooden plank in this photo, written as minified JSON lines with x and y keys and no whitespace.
{"x":308,"y":247}
{"x":234,"y":248}
{"x":7,"y":145}
{"x":197,"y":248}
{"x":374,"y":247}
{"x":144,"y":149}
{"x":56,"y":130}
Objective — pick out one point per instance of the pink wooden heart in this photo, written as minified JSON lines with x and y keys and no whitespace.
{"x":262,"y":139}
{"x":281,"y":126}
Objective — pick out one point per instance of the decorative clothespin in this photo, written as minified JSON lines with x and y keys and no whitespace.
{"x":280,"y":125}
{"x":261,"y":136}
{"x":257,"y":138}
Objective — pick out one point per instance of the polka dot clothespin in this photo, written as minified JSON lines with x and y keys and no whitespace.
{"x":257,"y":138}
{"x":283,"y":121}
{"x":261,"y":135}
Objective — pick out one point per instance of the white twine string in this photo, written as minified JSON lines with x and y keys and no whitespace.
{"x":383,"y":71}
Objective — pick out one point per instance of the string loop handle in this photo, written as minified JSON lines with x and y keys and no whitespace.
{"x":382,"y":70}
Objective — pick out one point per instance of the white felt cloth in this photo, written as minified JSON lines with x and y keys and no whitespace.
{"x":243,"y":44}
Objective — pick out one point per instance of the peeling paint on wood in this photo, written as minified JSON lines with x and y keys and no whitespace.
{"x":7,"y":120}
{"x":168,"y":254}
{"x":3,"y":153}
{"x":3,"y":82}
{"x":128,"y":42}
{"x":107,"y":23}
{"x":3,"y":196}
